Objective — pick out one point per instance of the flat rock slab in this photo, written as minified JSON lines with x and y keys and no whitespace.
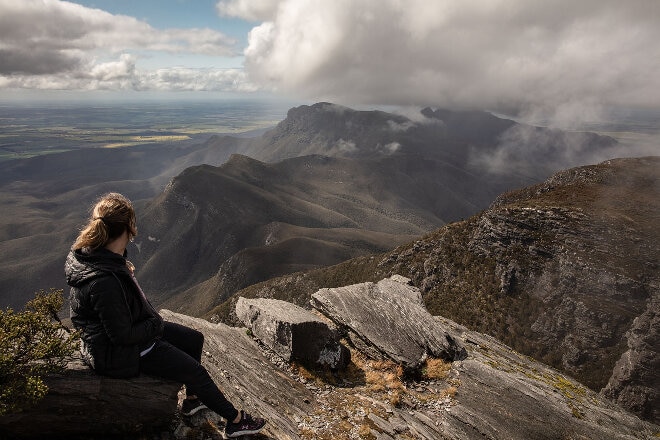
{"x":388,"y":320}
{"x":83,"y":404}
{"x":292,"y":332}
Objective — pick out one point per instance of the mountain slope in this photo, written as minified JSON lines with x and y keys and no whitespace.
{"x":256,"y":220}
{"x":45,"y":200}
{"x":565,"y":271}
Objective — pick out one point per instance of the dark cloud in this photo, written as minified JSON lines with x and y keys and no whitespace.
{"x":562,"y":56}
{"x":36,"y":62}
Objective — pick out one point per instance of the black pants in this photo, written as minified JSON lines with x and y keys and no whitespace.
{"x":177,"y":356}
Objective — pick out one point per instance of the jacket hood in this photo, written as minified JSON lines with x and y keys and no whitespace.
{"x":81,"y":265}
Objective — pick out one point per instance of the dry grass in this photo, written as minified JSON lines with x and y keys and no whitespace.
{"x":449,"y":392}
{"x":436,"y":369}
{"x":365,"y":432}
{"x":383,"y":376}
{"x":371,"y":386}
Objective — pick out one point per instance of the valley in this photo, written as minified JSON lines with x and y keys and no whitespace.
{"x":28,"y":130}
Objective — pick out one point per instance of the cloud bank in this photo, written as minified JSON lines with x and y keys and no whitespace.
{"x":51,"y":44}
{"x":558,"y":58}
{"x":526,"y":55}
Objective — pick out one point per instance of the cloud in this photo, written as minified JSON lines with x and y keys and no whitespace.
{"x":184,"y":79}
{"x":346,"y":146}
{"x":515,"y":55}
{"x":400,"y":126}
{"x":525,"y":149}
{"x":553,"y":60}
{"x":121,"y":69}
{"x":251,"y":10}
{"x":121,"y":75}
{"x":390,"y":148}
{"x":53,"y":44}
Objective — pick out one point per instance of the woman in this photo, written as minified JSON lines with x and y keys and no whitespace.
{"x":122,"y":335}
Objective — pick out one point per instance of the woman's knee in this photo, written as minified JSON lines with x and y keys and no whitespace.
{"x":176,"y":331}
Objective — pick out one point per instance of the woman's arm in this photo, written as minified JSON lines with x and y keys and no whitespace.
{"x":108,"y":299}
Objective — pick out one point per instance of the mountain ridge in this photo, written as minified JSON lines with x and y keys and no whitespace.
{"x":420,"y":151}
{"x":557,"y":270}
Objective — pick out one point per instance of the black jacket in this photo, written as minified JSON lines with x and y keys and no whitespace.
{"x":115,"y":319}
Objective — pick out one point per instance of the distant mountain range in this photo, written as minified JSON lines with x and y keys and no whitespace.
{"x":565,"y":271}
{"x":333,"y":183}
{"x":384,"y":178}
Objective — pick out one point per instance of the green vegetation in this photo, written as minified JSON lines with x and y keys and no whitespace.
{"x":31,"y":345}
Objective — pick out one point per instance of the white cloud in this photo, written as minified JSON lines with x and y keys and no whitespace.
{"x":183,"y":79}
{"x":121,"y":69}
{"x":498,"y":54}
{"x":391,"y":148}
{"x":400,"y":126}
{"x":252,"y":10}
{"x":553,"y":59}
{"x":346,"y":146}
{"x":52,"y":44}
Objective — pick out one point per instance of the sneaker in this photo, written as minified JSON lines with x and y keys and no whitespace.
{"x":191,"y":406}
{"x":247,"y":425}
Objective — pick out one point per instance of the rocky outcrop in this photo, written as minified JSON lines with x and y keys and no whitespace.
{"x":559,"y":271}
{"x":581,"y":252}
{"x":293,"y":333}
{"x":388,"y":319}
{"x":81,"y":404}
{"x":635,"y":382}
{"x":491,"y":393}
{"x":506,"y":395}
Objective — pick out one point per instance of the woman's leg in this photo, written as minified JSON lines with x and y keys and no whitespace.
{"x":184,"y":338}
{"x":169,"y":362}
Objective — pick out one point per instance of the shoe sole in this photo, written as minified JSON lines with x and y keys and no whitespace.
{"x":241,"y":433}
{"x":194,"y":410}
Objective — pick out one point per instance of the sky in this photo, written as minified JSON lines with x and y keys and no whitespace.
{"x":560,"y":58}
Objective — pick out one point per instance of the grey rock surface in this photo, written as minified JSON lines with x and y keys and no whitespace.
{"x":83,"y":404}
{"x":292,"y":332}
{"x":506,"y":395}
{"x":250,"y":379}
{"x":388,"y":319}
{"x":565,"y":271}
{"x":635,"y":381}
{"x":495,"y":393}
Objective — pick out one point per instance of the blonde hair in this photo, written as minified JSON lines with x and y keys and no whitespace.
{"x":111,"y":216}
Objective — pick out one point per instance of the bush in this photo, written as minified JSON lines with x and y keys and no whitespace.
{"x":32,"y":343}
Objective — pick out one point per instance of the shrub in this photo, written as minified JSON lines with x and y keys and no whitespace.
{"x":32,"y":344}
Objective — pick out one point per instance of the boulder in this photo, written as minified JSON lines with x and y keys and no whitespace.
{"x":83,"y":404}
{"x":292,"y":332}
{"x":388,"y":320}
